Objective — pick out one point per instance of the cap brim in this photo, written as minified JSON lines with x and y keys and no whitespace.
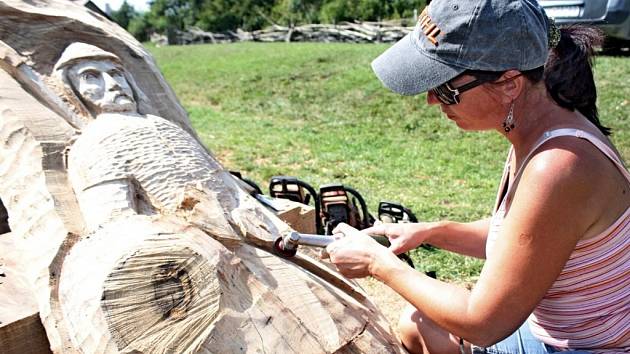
{"x":406,"y":70}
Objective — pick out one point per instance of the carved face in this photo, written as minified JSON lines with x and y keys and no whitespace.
{"x":102,"y":86}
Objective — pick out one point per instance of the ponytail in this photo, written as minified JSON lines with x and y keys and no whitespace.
{"x":568,"y":72}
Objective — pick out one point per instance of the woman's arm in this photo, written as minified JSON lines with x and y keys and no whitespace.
{"x":551,"y":210}
{"x":463,"y":238}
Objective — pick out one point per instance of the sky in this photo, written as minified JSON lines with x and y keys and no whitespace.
{"x":138,"y":5}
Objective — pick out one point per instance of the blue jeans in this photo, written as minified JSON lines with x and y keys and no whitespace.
{"x":522,"y":342}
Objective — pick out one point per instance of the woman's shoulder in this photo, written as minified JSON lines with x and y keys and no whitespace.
{"x":577,"y":166}
{"x":578,"y":174}
{"x":573,"y":154}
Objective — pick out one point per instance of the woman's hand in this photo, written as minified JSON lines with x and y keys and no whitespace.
{"x":403,"y":237}
{"x":358,"y":255}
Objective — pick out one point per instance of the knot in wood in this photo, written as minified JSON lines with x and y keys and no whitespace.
{"x":172,"y":290}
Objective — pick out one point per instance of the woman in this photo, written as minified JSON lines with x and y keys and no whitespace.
{"x":557,"y":270}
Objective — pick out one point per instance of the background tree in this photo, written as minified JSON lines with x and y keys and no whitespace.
{"x":292,"y":12}
{"x":224,"y":15}
{"x":168,"y":16}
{"x":404,"y":8}
{"x":373,"y":10}
{"x":334,"y":11}
{"x":139,"y":27}
{"x":124,"y":15}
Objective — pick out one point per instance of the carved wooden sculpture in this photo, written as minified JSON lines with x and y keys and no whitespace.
{"x":131,"y":235}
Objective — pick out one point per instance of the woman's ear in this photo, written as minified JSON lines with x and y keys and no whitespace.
{"x":512,"y":84}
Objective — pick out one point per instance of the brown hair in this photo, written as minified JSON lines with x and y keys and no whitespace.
{"x":568,"y":72}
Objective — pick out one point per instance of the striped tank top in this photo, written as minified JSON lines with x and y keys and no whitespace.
{"x":588,"y":306}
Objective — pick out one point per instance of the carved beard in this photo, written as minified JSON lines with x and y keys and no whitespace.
{"x":111,"y":102}
{"x":117,"y":102}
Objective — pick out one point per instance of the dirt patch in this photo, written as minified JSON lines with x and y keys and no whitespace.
{"x":388,"y":301}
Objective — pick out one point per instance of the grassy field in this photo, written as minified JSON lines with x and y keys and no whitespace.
{"x":316,"y":111}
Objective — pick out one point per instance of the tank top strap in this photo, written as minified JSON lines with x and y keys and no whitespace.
{"x":504,"y":185}
{"x":606,"y":150}
{"x":551,"y":134}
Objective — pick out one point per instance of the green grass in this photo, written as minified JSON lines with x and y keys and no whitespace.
{"x":316,"y":111}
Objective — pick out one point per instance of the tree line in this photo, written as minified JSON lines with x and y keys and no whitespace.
{"x":249,"y":15}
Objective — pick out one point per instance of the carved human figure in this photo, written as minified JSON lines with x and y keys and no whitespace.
{"x":125,"y":162}
{"x":131,"y":235}
{"x":150,"y":278}
{"x":130,"y":173}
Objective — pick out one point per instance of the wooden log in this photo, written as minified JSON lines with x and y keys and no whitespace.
{"x":21,"y":330}
{"x":369,"y":31}
{"x":298,"y":216}
{"x":359,"y":32}
{"x":31,"y":183}
{"x":132,"y":236}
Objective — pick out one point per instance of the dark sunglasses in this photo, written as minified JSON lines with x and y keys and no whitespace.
{"x":449,"y":95}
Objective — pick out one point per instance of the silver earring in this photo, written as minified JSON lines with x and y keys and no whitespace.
{"x":508,"y":123}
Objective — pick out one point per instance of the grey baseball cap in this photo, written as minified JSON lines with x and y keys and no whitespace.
{"x":454,"y":36}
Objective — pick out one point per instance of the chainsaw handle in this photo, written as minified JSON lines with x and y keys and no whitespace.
{"x":383,"y":240}
{"x":364,"y":210}
{"x":313,"y":193}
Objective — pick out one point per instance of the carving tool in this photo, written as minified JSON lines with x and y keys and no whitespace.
{"x":287,"y":246}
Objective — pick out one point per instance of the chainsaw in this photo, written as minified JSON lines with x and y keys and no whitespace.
{"x":390,"y":212}
{"x":254,"y":190}
{"x":335,"y":204}
{"x":291,"y":188}
{"x":339,"y":203}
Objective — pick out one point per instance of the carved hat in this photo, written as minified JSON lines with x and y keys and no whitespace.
{"x":81,"y":51}
{"x":454,"y":36}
